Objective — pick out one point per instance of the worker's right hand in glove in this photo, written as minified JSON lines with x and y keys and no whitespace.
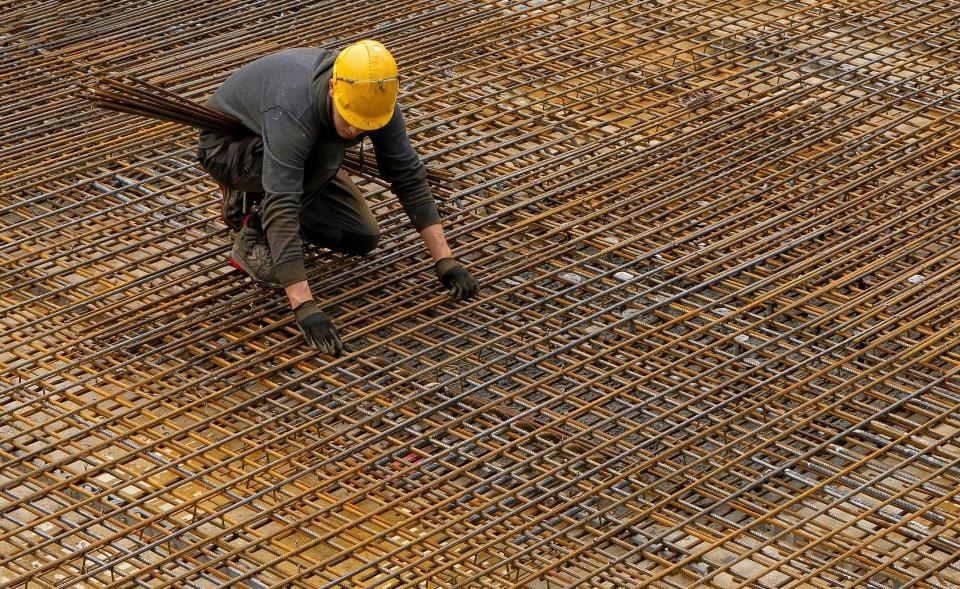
{"x":318,"y":330}
{"x":455,"y":277}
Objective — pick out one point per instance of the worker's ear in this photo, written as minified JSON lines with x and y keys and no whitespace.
{"x":330,"y":88}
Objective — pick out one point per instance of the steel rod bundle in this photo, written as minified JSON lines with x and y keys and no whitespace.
{"x":131,"y":95}
{"x":716,"y":344}
{"x":134,"y":96}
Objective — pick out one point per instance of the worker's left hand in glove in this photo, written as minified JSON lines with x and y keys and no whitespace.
{"x":318,"y":330}
{"x":456,"y":278}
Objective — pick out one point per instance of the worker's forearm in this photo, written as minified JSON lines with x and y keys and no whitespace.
{"x":436,"y":243}
{"x":298,"y":293}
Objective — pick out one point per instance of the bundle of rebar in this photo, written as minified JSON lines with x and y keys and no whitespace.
{"x":716,"y":343}
{"x":131,"y":95}
{"x":135,"y":96}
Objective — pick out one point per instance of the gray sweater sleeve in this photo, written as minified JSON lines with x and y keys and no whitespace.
{"x":401,"y":166}
{"x":286,"y":147}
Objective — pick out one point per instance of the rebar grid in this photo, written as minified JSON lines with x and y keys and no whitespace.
{"x":716,"y":343}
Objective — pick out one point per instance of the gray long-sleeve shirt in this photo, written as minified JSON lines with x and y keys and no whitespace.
{"x":283,"y":98}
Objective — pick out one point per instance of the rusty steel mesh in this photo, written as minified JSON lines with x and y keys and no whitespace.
{"x":716,"y":344}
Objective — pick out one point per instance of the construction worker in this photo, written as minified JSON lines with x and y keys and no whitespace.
{"x":283,"y":183}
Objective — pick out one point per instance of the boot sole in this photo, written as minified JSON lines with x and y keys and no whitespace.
{"x":239,"y":266}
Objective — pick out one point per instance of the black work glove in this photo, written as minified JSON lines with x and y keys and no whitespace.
{"x":317,"y":329}
{"x":455,"y":277}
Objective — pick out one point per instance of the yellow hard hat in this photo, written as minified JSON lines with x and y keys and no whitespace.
{"x":365,"y":84}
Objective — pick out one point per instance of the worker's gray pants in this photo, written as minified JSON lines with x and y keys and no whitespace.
{"x":333,"y":213}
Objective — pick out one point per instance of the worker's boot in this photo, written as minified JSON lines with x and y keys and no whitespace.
{"x":234,"y":205}
{"x":251,"y":254}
